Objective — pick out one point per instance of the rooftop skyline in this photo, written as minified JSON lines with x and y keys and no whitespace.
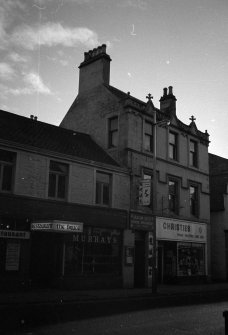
{"x":152,"y":44}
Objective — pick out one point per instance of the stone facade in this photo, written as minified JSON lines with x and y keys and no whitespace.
{"x":93,"y":110}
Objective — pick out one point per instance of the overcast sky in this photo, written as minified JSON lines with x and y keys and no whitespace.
{"x":153,"y":44}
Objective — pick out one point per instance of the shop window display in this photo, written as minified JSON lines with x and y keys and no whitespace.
{"x":96,"y":251}
{"x":191,"y":259}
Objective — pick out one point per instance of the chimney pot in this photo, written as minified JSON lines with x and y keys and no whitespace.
{"x":35,"y":118}
{"x":171,"y":90}
{"x":165,"y":91}
{"x":103,"y":47}
{"x":31,"y":117}
{"x":94,"y":52}
{"x":99,"y":49}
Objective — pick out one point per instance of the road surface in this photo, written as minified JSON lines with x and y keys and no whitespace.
{"x":204,"y":319}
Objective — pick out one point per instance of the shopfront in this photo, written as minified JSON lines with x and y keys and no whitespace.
{"x":182,"y":248}
{"x":72,"y":255}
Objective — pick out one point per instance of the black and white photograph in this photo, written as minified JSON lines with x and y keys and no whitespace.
{"x":114,"y":167}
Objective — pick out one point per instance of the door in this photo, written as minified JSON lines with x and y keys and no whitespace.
{"x":139,"y":270}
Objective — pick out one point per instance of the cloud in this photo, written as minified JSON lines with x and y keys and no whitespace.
{"x":138,"y":4}
{"x":8,"y":10}
{"x":36,"y":83}
{"x":52,"y":34}
{"x":15,"y":57}
{"x":6,"y":71}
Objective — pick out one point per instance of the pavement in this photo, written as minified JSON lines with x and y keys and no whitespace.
{"x":34,"y":307}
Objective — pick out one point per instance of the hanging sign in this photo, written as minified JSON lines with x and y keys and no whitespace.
{"x":145,"y":192}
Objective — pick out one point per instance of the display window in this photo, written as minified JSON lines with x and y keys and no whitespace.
{"x":191,"y":259}
{"x":96,"y":251}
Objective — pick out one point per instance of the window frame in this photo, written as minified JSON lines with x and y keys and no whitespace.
{"x":6,"y":164}
{"x":148,"y":136}
{"x":112,"y":132}
{"x":173,"y":146}
{"x":193,"y":154}
{"x":57,"y":175}
{"x":99,"y":198}
{"x":175,"y":195}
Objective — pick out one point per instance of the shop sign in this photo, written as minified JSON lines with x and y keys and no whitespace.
{"x":178,"y":230}
{"x":58,"y":226}
{"x":14,"y":234}
{"x":141,"y":222}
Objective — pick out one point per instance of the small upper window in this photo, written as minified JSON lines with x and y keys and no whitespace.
{"x":193,"y":153}
{"x":58,"y":176}
{"x":173,"y":146}
{"x":7,"y":160}
{"x":113,"y":132}
{"x":148,"y":138}
{"x":103,"y":189}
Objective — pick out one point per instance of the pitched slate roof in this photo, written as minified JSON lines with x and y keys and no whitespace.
{"x":160,"y":114}
{"x":28,"y":132}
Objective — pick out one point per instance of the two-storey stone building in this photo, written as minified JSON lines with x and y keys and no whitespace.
{"x":63,"y":208}
{"x":124,"y":126}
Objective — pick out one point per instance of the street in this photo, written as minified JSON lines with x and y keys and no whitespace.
{"x":206,"y":319}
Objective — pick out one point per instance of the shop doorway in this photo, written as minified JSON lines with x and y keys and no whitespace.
{"x":45,"y":258}
{"x":139,"y":269}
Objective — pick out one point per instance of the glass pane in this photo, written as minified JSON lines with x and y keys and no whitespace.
{"x":114,"y":123}
{"x":59,"y":167}
{"x":172,"y":138}
{"x":98,"y":192}
{"x":148,"y":128}
{"x":52,"y":185}
{"x":114,"y":138}
{"x":106,"y":194}
{"x":61,"y":187}
{"x":171,"y":151}
{"x":103,"y":177}
{"x":7,"y":178}
{"x":7,"y":156}
{"x":147,"y":143}
{"x":192,"y":146}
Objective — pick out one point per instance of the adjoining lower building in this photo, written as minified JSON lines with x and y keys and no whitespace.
{"x":63,"y":208}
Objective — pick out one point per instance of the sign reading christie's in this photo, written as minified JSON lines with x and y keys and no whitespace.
{"x":58,"y":226}
{"x":178,"y":230}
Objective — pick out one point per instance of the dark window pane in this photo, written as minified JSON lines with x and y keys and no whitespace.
{"x":98,"y":193}
{"x":7,"y":178}
{"x":7,"y":156}
{"x":61,"y":187}
{"x":114,"y":123}
{"x":105,"y":194}
{"x":52,"y":185}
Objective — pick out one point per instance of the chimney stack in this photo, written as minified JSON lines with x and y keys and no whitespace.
{"x":95,"y":69}
{"x":168,"y":101}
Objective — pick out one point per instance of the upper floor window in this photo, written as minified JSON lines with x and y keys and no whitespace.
{"x":173,"y":146}
{"x":148,"y":136}
{"x":173,"y":196}
{"x":58,"y":177}
{"x":193,"y":194}
{"x":113,"y":132}
{"x":103,"y":188}
{"x":7,"y":161}
{"x":193,"y":153}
